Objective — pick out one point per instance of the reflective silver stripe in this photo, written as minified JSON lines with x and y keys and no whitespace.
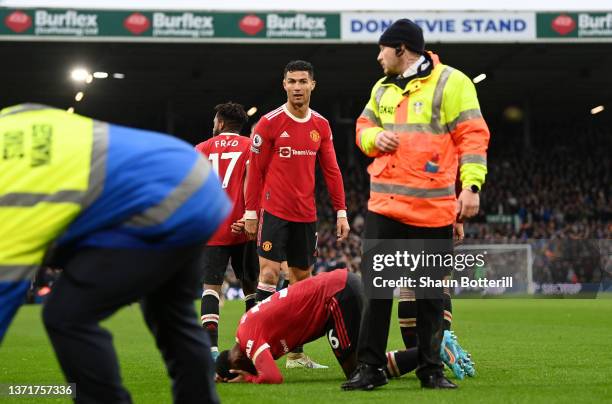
{"x":360,"y":141}
{"x":473,"y":158}
{"x":379,"y":93}
{"x":414,"y":127}
{"x":97,"y":168}
{"x":368,"y":113}
{"x":13,"y":273}
{"x":23,"y":108}
{"x":160,"y":213}
{"x":397,"y":189}
{"x":464,"y":116}
{"x":435,"y":126}
{"x":31,"y":198}
{"x":436,"y":106}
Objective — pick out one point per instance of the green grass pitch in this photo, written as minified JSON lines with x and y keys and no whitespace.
{"x":528,"y":350}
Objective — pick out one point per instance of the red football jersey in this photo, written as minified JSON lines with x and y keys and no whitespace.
{"x":228,"y":154}
{"x":282,"y":170}
{"x":290,"y":317}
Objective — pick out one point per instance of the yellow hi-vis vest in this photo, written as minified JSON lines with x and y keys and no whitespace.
{"x":52,"y":165}
{"x":440,"y":127}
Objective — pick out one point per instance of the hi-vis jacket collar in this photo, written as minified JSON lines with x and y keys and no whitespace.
{"x":411,"y":83}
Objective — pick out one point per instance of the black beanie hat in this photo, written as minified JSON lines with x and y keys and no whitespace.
{"x":404,"y":32}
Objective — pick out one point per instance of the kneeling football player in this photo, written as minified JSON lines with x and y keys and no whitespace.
{"x":328,"y":304}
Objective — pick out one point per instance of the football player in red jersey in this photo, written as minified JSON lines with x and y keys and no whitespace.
{"x":229,"y":154}
{"x":286,"y":144}
{"x":328,"y":304}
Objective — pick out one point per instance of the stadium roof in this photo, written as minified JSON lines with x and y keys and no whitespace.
{"x":173,"y":87}
{"x":323,"y":5}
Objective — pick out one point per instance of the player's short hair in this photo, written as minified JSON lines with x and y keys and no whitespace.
{"x":223,"y":366}
{"x":299,"y":66}
{"x":232,"y":114}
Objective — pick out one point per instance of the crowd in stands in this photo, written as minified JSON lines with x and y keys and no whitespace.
{"x":553,"y":191}
{"x":556,"y":196}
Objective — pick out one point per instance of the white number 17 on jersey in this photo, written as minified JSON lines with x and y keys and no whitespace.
{"x":214,"y":159}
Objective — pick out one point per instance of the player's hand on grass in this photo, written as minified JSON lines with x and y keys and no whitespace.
{"x":241,"y":378}
{"x":468,"y":204}
{"x":458,"y":234}
{"x":250,"y":227}
{"x":342,"y":228}
{"x":386,"y":141}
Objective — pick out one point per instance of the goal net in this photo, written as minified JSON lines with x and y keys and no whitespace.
{"x":504,"y":268}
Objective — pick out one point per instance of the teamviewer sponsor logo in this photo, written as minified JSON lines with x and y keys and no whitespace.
{"x":284,"y":152}
{"x":304,"y":152}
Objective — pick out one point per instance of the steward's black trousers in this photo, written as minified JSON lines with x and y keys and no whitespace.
{"x":376,"y":315}
{"x":95,"y":284}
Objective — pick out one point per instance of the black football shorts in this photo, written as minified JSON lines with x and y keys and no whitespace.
{"x":281,"y":240}
{"x":342,"y":327}
{"x":243,"y":258}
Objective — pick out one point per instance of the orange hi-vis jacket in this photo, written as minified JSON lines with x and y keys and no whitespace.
{"x":440,"y":127}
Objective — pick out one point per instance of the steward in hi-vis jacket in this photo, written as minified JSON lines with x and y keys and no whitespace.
{"x":421,"y":123}
{"x":125,"y":213}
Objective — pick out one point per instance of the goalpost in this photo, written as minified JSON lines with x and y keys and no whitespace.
{"x":503,"y":260}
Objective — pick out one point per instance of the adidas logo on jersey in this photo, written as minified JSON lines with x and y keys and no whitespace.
{"x":284,"y":134}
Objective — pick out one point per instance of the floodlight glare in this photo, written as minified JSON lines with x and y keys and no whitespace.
{"x":79,"y":74}
{"x":252,"y":111}
{"x":100,"y":75}
{"x":597,"y":109}
{"x":79,"y":96}
{"x":479,"y":78}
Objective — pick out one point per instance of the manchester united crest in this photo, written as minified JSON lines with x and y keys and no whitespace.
{"x":314,"y":135}
{"x":266,"y":246}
